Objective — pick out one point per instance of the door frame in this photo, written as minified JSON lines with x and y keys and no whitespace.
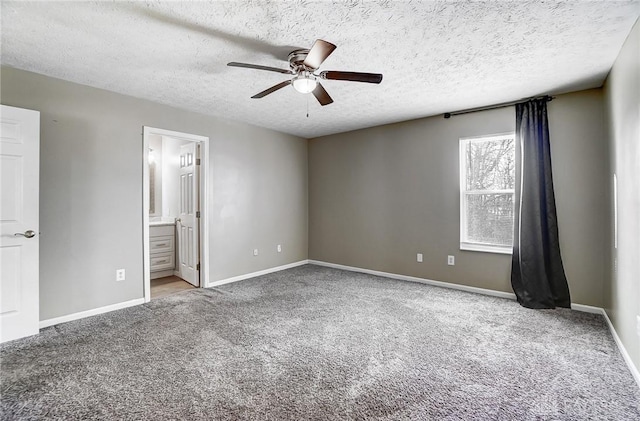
{"x":203,"y":141}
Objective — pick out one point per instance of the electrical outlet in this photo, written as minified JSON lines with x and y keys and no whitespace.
{"x":255,"y":252}
{"x":120,"y":275}
{"x":451,"y":260}
{"x":419,"y":257}
{"x":279,"y":248}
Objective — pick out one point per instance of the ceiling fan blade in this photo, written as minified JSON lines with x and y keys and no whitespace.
{"x":272,"y":89}
{"x":352,"y":76}
{"x":259,"y":67}
{"x":318,"y":53}
{"x":322,"y":95}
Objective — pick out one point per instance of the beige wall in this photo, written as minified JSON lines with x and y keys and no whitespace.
{"x":379,"y":196}
{"x":91,"y":191}
{"x":622,"y":93}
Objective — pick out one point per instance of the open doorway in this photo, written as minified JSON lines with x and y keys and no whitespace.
{"x":175,"y":243}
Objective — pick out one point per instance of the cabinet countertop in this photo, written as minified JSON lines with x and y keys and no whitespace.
{"x":161,"y":224}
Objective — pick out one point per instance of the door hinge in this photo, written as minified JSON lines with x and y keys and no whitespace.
{"x":197,"y":161}
{"x":198,"y":266}
{"x":197,"y":214}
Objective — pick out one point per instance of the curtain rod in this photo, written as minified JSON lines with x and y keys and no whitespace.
{"x":493,"y":107}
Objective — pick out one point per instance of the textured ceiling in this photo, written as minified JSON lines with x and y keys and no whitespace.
{"x":436,"y":56}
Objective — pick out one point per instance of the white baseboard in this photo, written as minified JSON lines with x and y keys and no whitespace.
{"x":125,"y":304}
{"x":501,"y":294}
{"x":625,"y":355}
{"x":449,"y":285}
{"x":92,"y":312}
{"x":254,"y":274}
{"x":587,"y":309}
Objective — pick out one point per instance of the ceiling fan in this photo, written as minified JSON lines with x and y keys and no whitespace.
{"x":302,"y":65}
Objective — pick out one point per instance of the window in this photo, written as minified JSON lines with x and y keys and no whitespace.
{"x":487,"y":182}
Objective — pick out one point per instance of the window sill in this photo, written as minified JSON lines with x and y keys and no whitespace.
{"x":486,"y":248}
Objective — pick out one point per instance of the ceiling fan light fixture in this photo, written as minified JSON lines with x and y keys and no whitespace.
{"x":302,"y":65}
{"x":304,"y":83}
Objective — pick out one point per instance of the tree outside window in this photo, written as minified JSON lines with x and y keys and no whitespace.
{"x":487,"y":183}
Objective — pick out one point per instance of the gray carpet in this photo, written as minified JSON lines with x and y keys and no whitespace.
{"x":321,"y":344}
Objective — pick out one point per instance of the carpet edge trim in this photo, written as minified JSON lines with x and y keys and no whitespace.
{"x":88,"y":313}
{"x":578,"y":307}
{"x":255,"y":274}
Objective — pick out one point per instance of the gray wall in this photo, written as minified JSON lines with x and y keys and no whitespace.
{"x":379,"y":196}
{"x":622,"y":289}
{"x":376,"y":196}
{"x":579,"y":162}
{"x":91,"y":191}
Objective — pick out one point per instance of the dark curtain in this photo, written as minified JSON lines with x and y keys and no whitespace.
{"x":537,"y":274}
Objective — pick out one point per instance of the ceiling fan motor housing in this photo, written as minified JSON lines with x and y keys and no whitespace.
{"x":296,"y":60}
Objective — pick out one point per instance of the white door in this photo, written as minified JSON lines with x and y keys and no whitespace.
{"x":19,"y":222}
{"x":188,"y":221}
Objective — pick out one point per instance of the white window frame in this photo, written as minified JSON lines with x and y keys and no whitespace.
{"x":464,"y":243}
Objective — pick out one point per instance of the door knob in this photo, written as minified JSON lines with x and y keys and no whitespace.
{"x":26,"y":234}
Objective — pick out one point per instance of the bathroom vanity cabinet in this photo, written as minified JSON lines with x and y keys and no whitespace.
{"x":162,"y":249}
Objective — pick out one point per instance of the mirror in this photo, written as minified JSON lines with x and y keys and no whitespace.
{"x":152,"y":186}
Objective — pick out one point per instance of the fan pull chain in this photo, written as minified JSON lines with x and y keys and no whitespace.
{"x":307,"y":105}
